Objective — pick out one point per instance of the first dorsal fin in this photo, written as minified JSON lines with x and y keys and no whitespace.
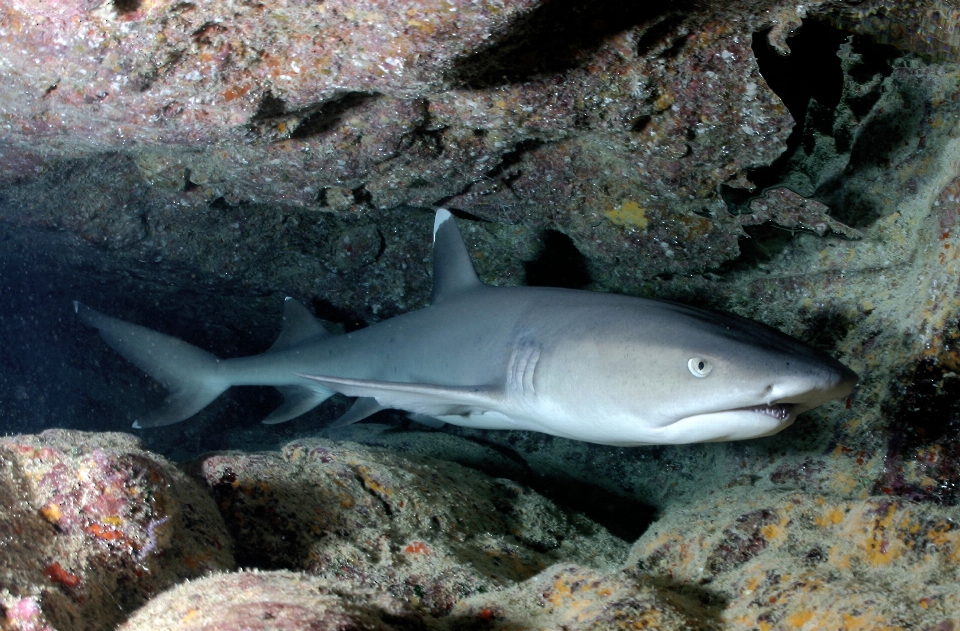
{"x":452,"y":268}
{"x":299,"y":327}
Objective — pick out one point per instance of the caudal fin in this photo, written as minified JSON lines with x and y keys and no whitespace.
{"x":190,"y":374}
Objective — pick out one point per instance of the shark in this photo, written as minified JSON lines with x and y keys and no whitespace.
{"x":589,"y":366}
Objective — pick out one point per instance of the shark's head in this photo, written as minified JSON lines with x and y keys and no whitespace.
{"x":689,"y":375}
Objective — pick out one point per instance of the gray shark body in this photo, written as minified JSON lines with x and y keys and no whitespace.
{"x":595,"y":367}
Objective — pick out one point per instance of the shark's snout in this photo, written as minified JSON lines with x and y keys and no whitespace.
{"x":810,"y":390}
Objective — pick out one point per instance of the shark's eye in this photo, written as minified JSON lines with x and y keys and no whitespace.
{"x":699,"y":367}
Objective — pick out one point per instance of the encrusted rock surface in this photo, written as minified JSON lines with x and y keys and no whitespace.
{"x":808,"y":561}
{"x":280,"y":600}
{"x":198,"y":162}
{"x":427,"y":531}
{"x":93,"y":526}
{"x":577,"y":598}
{"x":613,"y":124}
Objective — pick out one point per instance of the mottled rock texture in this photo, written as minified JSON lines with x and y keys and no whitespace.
{"x":93,"y":526}
{"x":426,"y":531}
{"x":808,"y":561}
{"x":582,"y":599}
{"x":287,"y":601}
{"x":612,"y":123}
{"x":186,"y":165}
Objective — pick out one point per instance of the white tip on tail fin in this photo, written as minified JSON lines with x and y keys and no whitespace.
{"x":189,"y":373}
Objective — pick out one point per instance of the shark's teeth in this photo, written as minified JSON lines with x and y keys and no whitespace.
{"x":779,"y":412}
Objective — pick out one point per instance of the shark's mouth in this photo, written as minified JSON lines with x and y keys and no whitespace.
{"x":780,"y":412}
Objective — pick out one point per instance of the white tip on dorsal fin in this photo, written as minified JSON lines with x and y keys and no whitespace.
{"x":442,"y":215}
{"x":299,"y":326}
{"x":452,"y":268}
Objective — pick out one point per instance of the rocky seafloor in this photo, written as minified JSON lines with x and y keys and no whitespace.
{"x":186,"y":166}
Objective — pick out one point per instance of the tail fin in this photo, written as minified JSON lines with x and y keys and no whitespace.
{"x":189,"y":373}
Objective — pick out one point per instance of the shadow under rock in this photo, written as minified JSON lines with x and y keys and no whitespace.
{"x":624,"y":517}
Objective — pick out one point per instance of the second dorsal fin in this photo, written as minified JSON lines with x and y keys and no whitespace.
{"x":452,"y":268}
{"x":299,"y":327}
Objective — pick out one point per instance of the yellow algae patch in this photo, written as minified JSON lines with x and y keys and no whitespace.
{"x":882,"y":545}
{"x":629,"y":214}
{"x":369,"y":482}
{"x":771,"y":532}
{"x":664,"y":101}
{"x":51,"y":512}
{"x":831,"y":517}
{"x":799,"y":619}
{"x":190,"y":615}
{"x":563,"y":592}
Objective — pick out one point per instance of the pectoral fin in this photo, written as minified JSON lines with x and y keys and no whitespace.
{"x":419,"y":398}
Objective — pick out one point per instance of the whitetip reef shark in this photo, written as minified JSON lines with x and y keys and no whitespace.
{"x":601,"y":368}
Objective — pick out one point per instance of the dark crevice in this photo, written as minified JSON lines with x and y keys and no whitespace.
{"x":514,"y":157}
{"x":269,"y":107}
{"x":383,"y":245}
{"x":759,"y":245}
{"x":559,"y":264}
{"x":329,"y":114}
{"x":220,"y":203}
{"x":362,"y":196}
{"x":426,"y":138}
{"x":322,"y":197}
{"x":308,"y":121}
{"x":465,"y":216}
{"x":188,"y":184}
{"x":123,"y":7}
{"x":326,"y":310}
{"x":652,"y":37}
{"x":624,"y":517}
{"x":557,"y":36}
{"x":640,"y":124}
{"x":812,"y":70}
{"x":202,"y":36}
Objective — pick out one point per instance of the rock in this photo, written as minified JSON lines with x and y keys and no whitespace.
{"x":287,"y":601}
{"x":800,"y":560}
{"x":616,"y":128}
{"x":169,"y":159}
{"x":582,"y":599}
{"x":426,"y":531}
{"x":94,"y":526}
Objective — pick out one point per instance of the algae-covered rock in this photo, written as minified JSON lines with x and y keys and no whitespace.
{"x":805,"y":560}
{"x":577,"y":598}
